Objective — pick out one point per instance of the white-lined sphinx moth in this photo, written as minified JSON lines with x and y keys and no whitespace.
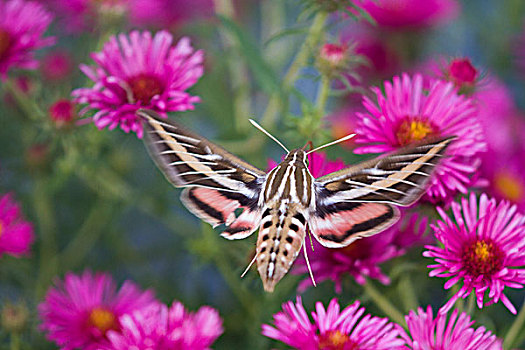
{"x":339,"y":208}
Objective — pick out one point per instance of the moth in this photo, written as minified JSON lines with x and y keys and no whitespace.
{"x":221,"y":189}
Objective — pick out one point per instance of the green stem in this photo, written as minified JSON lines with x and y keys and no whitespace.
{"x":88,"y":234}
{"x":470,"y":304}
{"x":276,"y":100}
{"x":384,"y":304}
{"x":515,"y":329}
{"x":26,"y":104}
{"x":407,"y":293}
{"x":239,"y":77}
{"x":15,"y":341}
{"x":322,"y":96}
{"x":48,"y":247}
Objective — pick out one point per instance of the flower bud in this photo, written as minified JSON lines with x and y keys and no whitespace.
{"x":14,"y":317}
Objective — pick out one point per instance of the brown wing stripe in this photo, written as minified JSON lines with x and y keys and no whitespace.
{"x":234,"y":230}
{"x":205,"y":207}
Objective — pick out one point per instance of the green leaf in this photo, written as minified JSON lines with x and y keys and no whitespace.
{"x":263,"y":73}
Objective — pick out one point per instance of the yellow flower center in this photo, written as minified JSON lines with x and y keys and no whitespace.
{"x":414,"y":129}
{"x":144,"y":87}
{"x":102,"y":319}
{"x":335,"y":340}
{"x":509,"y":185}
{"x":5,"y":42}
{"x":482,"y":257}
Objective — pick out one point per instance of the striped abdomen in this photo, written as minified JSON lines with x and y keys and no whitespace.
{"x":287,"y":200}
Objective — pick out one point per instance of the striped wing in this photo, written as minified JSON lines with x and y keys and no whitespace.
{"x":219,"y":182}
{"x":360,"y":201}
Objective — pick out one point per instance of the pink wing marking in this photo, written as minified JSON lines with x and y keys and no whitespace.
{"x":339,"y":228}
{"x":216,"y":208}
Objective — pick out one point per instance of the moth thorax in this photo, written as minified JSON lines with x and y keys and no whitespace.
{"x":280,"y":238}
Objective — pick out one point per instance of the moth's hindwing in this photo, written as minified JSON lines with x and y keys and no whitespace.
{"x":357,"y":201}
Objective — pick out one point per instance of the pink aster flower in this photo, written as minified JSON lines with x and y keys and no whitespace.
{"x":362,"y":258}
{"x":79,"y":311}
{"x":158,"y":327}
{"x":82,"y":15}
{"x":332,"y":328}
{"x":484,"y":250}
{"x":57,"y":65}
{"x":169,"y":13}
{"x":407,"y":113}
{"x":140,"y":71}
{"x":16,"y":234}
{"x":409,"y":14}
{"x":62,"y":112}
{"x":428,"y":333}
{"x":22,"y":25}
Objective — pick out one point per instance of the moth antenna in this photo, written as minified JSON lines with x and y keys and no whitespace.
{"x":250,"y":265}
{"x":342,"y":139}
{"x":254,"y":123}
{"x":308,"y":264}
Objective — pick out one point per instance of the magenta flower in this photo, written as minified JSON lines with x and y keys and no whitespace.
{"x":62,"y":112}
{"x":57,"y":65}
{"x":81,"y":15}
{"x":483,"y":249}
{"x":16,"y":234}
{"x":22,"y":25}
{"x":407,"y":113}
{"x":332,"y":328}
{"x":140,"y":71}
{"x":79,"y":311}
{"x":429,"y":333}
{"x":169,"y":13}
{"x":362,"y":258}
{"x":410,"y":14}
{"x":158,"y":327}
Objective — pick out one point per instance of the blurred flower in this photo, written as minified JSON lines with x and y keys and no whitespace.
{"x":140,"y":71}
{"x":333,"y":59}
{"x":24,"y":85}
{"x":428,"y":333}
{"x":14,"y":317}
{"x":361,"y":259}
{"x":169,"y":13}
{"x":37,"y":157}
{"x":79,"y":311}
{"x":158,"y":327}
{"x":56,"y":65}
{"x":462,"y":73}
{"x":407,"y":113}
{"x":332,"y":329}
{"x":459,"y":71}
{"x":62,"y":112}
{"x":16,"y":234}
{"x":410,"y":14}
{"x":22,"y":24}
{"x":80,"y":15}
{"x":484,"y":246}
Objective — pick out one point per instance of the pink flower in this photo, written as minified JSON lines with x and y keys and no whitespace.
{"x":81,"y":15}
{"x":429,"y":333}
{"x":22,"y":25}
{"x":62,"y":112}
{"x":169,"y":13}
{"x":361,"y":259}
{"x":57,"y":65}
{"x":158,"y":327}
{"x":332,"y":329}
{"x":484,"y":250}
{"x":407,"y":113}
{"x":79,"y":311}
{"x":409,"y":14}
{"x":16,"y":234}
{"x":140,"y":71}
